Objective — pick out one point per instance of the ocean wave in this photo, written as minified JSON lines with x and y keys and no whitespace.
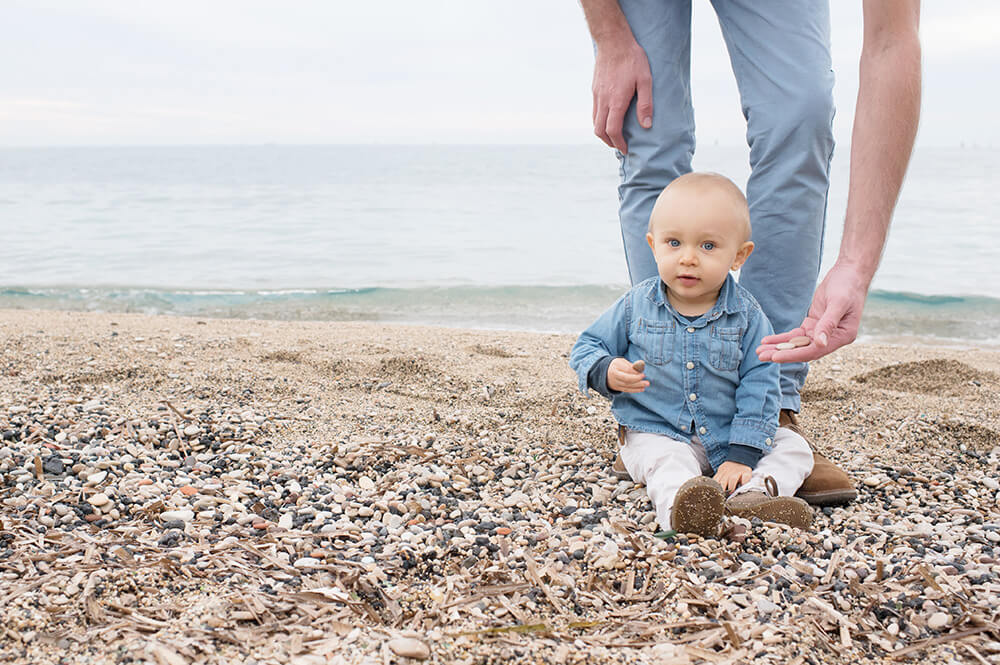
{"x":567,"y":309}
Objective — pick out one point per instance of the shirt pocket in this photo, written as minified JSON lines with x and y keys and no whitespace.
{"x":657,"y":341}
{"x":724,"y":348}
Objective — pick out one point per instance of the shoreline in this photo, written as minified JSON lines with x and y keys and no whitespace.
{"x":184,"y":489}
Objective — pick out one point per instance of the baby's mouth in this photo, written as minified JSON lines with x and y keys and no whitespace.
{"x":687,"y":280}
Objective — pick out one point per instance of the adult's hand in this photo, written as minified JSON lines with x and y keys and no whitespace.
{"x":833,"y":318}
{"x":621,"y":72}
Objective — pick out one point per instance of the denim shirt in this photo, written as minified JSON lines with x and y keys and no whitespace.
{"x":703,"y":374}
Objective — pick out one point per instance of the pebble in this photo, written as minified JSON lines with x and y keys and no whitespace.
{"x":177,"y":515}
{"x":99,"y":499}
{"x":938,"y":620}
{"x":409,"y":647}
{"x":95,"y":479}
{"x":307,"y":562}
{"x":765,"y":606}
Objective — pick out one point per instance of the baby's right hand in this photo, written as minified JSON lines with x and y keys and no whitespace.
{"x":624,"y":378}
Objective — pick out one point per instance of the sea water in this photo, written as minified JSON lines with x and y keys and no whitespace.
{"x":513,"y":237}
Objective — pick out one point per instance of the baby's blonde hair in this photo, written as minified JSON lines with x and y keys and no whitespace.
{"x":708,"y":182}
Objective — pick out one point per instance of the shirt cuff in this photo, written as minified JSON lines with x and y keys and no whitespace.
{"x":597,"y":377}
{"x":745,"y":455}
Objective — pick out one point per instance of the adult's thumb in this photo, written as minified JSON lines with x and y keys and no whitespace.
{"x":826,"y":325}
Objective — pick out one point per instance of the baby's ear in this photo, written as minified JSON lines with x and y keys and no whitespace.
{"x":741,"y":255}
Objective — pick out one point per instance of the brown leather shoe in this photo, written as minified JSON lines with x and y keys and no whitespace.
{"x":618,"y":469}
{"x":828,"y":484}
{"x":770,"y":507}
{"x":698,"y":507}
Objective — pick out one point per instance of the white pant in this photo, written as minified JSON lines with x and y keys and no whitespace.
{"x":665,"y":464}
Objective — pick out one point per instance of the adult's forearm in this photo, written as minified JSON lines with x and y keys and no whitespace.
{"x":606,"y":22}
{"x":885,"y":125}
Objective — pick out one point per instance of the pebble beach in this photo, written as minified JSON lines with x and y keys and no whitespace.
{"x":178,"y":490}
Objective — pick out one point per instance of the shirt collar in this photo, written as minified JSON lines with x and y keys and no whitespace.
{"x":729,"y":300}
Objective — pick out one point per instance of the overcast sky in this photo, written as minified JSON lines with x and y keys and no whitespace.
{"x":119,"y":72}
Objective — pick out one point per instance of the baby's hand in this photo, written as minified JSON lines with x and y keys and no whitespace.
{"x":624,"y":377}
{"x":731,"y":475}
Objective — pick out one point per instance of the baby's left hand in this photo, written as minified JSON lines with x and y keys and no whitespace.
{"x":731,"y":475}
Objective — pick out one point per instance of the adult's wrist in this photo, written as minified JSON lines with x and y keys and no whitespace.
{"x":608,"y":26}
{"x":862,"y":268}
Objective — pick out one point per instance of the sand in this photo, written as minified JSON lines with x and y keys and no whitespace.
{"x":439,"y":402}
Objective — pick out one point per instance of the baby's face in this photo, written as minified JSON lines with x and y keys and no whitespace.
{"x":697,"y":235}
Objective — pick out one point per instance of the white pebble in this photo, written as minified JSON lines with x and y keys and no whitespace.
{"x":307,"y":562}
{"x":409,"y":648}
{"x":99,"y":499}
{"x":938,"y":620}
{"x":175,"y":515}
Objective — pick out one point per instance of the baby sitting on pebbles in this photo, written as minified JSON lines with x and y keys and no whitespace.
{"x":675,"y":355}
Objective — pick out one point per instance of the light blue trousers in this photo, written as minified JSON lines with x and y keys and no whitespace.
{"x":780,"y":53}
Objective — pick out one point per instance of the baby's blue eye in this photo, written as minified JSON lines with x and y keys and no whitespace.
{"x":674,"y":243}
{"x":708,"y":245}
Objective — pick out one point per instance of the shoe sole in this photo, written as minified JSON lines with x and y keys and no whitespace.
{"x":783,"y":509}
{"x":829,"y":497}
{"x":698,"y":508}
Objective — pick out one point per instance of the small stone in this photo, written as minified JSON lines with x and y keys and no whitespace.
{"x":765,"y":606}
{"x":307,"y":562}
{"x":99,"y":500}
{"x":285,"y":522}
{"x":872,"y":481}
{"x":801,"y":340}
{"x":95,"y":479}
{"x":639,"y":365}
{"x":366,"y":483}
{"x":192,"y":430}
{"x":188,"y":490}
{"x":784,"y":346}
{"x":938,"y":620}
{"x":53,"y":465}
{"x":409,"y":647}
{"x":177,"y":515}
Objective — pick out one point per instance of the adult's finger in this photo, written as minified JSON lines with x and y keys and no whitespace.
{"x":803,"y":354}
{"x":644,"y":101}
{"x":778,"y":338}
{"x":601,"y":123}
{"x":616,"y":117}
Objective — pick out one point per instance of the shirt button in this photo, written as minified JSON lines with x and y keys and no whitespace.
{"x":693,"y":397}
{"x":767,"y":441}
{"x":690,"y":365}
{"x":684,"y":428}
{"x":702,"y":430}
{"x":690,"y":329}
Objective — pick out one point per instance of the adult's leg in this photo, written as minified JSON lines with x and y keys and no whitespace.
{"x":663,"y":464}
{"x":663,"y":152}
{"x":780,"y":53}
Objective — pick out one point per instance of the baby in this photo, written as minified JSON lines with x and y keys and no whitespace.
{"x":676,"y":357}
